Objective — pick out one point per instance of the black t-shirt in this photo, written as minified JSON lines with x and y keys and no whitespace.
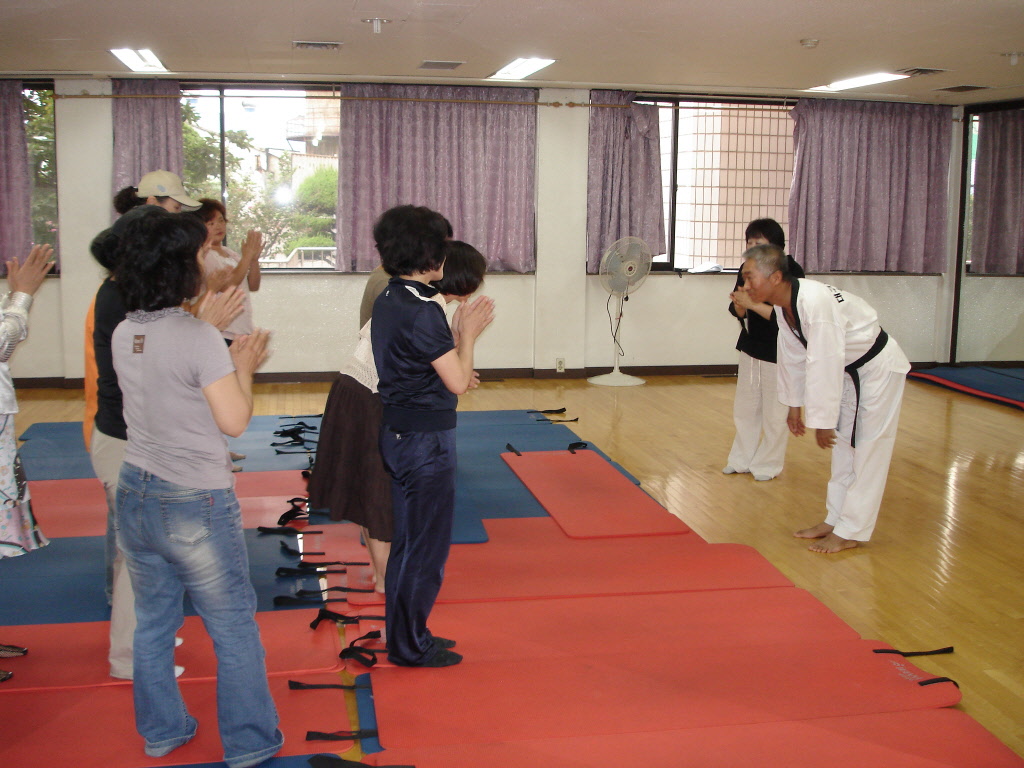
{"x":758,"y":335}
{"x":408,"y":333}
{"x":108,"y":313}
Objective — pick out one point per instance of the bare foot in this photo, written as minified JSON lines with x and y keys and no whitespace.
{"x":831,"y":544}
{"x":817,"y":532}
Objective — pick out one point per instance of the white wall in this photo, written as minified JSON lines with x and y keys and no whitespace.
{"x":557,"y":313}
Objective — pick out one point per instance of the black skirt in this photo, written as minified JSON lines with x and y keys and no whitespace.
{"x":348,"y":477}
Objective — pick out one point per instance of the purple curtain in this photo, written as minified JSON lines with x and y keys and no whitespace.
{"x":474,"y":163}
{"x":624,"y":186}
{"x":147,"y":132}
{"x":869,"y":186}
{"x":997,"y":222}
{"x":15,"y":178}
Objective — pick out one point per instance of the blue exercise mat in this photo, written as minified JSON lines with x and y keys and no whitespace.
{"x":65,"y":581}
{"x":1000,"y":385}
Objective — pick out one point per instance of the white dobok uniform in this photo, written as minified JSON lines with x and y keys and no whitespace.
{"x":835,"y":329}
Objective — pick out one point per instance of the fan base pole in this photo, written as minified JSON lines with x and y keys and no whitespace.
{"x":616,"y":379}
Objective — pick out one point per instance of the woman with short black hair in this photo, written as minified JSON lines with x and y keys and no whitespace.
{"x":178,"y":521}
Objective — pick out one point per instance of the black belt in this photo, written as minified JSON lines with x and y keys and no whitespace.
{"x":880,"y":341}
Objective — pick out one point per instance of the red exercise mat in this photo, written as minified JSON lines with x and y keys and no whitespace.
{"x":929,"y":738}
{"x":523,"y":630}
{"x":75,"y":655}
{"x":532,"y":557}
{"x":95,"y":727}
{"x":282,"y":482}
{"x":70,"y":507}
{"x":631,"y":692}
{"x":588,"y":497}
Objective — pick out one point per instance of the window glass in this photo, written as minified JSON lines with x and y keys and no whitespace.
{"x":723,"y":165}
{"x":272,"y":156}
{"x":37,"y":106}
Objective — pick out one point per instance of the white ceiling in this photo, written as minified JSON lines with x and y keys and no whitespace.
{"x":724,"y":47}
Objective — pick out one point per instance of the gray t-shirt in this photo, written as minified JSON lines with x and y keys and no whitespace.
{"x":163,"y":360}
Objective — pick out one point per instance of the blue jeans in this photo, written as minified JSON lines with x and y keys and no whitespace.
{"x":422,"y":469}
{"x":177,"y":540}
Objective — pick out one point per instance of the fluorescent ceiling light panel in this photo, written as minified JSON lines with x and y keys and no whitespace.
{"x":857,"y":82}
{"x":139,"y":61}
{"x":520,"y":68}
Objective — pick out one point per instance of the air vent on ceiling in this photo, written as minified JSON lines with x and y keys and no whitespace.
{"x":916,"y":71}
{"x":312,"y":45}
{"x":428,"y":64}
{"x":963,"y":88}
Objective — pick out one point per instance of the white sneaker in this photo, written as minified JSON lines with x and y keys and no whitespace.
{"x":178,"y":641}
{"x":178,"y":670}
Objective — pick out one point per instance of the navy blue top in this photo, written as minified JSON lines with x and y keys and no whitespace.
{"x":408,"y":333}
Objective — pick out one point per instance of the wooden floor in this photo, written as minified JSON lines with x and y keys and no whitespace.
{"x":944,"y":567}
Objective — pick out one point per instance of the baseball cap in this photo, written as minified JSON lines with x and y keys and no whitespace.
{"x":166,"y":184}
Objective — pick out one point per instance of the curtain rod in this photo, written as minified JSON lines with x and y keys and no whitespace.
{"x":331,"y":97}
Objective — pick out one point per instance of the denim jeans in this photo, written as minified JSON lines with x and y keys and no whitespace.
{"x":179,"y":540}
{"x":422,"y":469}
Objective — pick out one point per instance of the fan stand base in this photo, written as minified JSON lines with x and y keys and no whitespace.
{"x":616,"y":379}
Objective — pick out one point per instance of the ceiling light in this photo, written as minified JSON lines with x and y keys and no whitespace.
{"x":857,"y":82}
{"x":520,"y":68}
{"x":809,"y":42}
{"x":376,"y":24}
{"x":143,"y":60}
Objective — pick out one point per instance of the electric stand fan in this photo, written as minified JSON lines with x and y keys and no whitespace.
{"x":624,"y":267}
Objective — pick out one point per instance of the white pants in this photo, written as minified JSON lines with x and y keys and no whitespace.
{"x":761,"y":431}
{"x":107,"y":455}
{"x":859,"y":474}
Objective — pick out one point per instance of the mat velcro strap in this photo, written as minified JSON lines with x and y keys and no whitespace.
{"x":309,"y":566}
{"x":564,"y":421}
{"x":908,"y":654}
{"x":285,"y":531}
{"x":510,"y":447}
{"x":573,"y":447}
{"x":302,"y":424}
{"x":365,"y":656}
{"x":938,"y":680}
{"x":366,"y":733}
{"x":552,"y":410}
{"x":279,"y":452}
{"x":330,"y":615}
{"x":335,"y":761}
{"x":294,"y":513}
{"x":308,"y":592}
{"x":308,"y":602}
{"x":282,"y":572}
{"x":295,"y":685}
{"x":297,"y":553}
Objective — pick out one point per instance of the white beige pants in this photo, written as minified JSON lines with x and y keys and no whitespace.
{"x":859,"y":474}
{"x":107,"y":455}
{"x":761,"y":432}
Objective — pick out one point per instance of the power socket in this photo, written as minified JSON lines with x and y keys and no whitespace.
{"x":559,"y":365}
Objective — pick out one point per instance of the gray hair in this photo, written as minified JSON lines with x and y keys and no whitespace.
{"x":769,"y":259}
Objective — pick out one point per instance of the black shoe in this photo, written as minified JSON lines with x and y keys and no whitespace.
{"x":442,"y":658}
{"x":10,"y":651}
{"x":5,"y":675}
{"x":443,"y":642}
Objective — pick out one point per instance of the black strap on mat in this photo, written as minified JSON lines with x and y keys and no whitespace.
{"x":573,"y":447}
{"x":908,"y":654}
{"x":283,"y":572}
{"x":365,"y":656}
{"x":510,"y":447}
{"x":367,"y":733}
{"x":552,"y":410}
{"x":335,"y":761}
{"x":935,"y":680}
{"x":296,"y":553}
{"x":308,"y":602}
{"x":295,"y":685}
{"x":306,"y":565}
{"x":341,"y":618}
{"x":309,"y":592}
{"x":285,"y":531}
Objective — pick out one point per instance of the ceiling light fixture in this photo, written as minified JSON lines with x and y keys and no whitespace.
{"x":1014,"y":57}
{"x":809,"y":42}
{"x":520,"y":68}
{"x":143,"y":60}
{"x":858,"y":82}
{"x":376,"y":24}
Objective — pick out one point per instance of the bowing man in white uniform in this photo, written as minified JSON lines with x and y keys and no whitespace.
{"x":842,"y":376}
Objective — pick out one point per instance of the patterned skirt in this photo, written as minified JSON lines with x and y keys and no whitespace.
{"x":19,"y":532}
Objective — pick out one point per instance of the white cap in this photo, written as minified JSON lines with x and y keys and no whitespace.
{"x":166,"y":184}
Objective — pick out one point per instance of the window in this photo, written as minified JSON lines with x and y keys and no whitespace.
{"x":723,"y":165}
{"x":37,"y":107}
{"x":272,"y":157}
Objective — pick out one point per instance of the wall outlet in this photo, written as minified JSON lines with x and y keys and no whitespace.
{"x":559,"y":365}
